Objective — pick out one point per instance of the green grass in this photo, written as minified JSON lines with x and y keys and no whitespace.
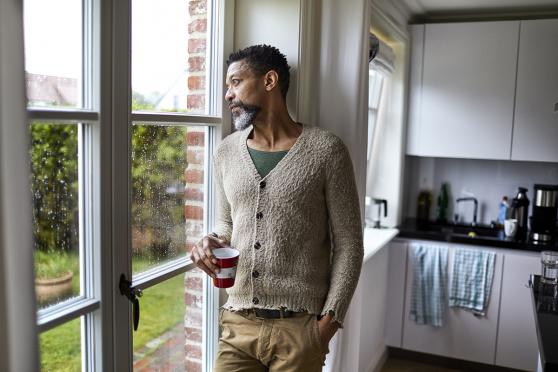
{"x":162,"y":307}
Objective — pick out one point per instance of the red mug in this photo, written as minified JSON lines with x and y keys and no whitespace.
{"x":227,"y":259}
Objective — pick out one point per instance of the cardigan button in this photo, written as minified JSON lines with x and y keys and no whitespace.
{"x":257,"y":245}
{"x":255,"y":274}
{"x":255,"y":301}
{"x":259,"y":215}
{"x":262,"y":185}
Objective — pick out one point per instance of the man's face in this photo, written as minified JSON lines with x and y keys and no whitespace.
{"x":243,"y":95}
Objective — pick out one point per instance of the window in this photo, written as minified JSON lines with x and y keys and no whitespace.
{"x":121,"y":179}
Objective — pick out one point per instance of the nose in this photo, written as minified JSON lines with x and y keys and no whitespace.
{"x":229,"y":95}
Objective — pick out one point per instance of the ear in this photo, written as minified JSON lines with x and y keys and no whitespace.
{"x":271,"y":80}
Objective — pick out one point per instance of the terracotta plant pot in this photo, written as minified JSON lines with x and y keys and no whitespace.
{"x":53,"y":289}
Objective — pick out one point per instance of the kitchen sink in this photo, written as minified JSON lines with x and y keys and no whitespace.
{"x":484,"y":231}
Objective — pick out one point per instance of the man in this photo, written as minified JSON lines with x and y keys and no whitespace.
{"x":288,"y":202}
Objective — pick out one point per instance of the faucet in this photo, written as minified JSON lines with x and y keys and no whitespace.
{"x":474,"y":200}
{"x":376,"y":222}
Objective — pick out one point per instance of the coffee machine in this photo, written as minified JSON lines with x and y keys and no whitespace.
{"x":545,"y":212}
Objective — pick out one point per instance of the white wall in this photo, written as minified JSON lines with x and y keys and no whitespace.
{"x":274,"y":23}
{"x":488,"y":180}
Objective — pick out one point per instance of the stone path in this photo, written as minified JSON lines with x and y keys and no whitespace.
{"x":163,"y":354}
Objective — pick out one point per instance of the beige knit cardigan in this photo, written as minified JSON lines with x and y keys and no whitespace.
{"x":298,"y":229}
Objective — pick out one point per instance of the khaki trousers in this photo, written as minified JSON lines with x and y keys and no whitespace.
{"x":251,"y":344}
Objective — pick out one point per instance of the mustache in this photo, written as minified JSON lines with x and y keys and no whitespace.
{"x":244,"y":106}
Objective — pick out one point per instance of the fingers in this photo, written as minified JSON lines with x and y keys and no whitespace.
{"x":198,"y":260}
{"x":202,"y":254}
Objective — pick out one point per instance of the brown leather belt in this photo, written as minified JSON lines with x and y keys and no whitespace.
{"x":272,"y":314}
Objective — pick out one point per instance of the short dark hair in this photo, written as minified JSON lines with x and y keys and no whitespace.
{"x":263,"y":58}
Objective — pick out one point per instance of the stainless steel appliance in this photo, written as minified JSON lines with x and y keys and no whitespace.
{"x":520,"y":212}
{"x":545,"y":211}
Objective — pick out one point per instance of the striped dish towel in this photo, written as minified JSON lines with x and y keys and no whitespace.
{"x":428,"y":297}
{"x":473,"y":271}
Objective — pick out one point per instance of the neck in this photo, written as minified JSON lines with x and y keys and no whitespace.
{"x":274,"y":130}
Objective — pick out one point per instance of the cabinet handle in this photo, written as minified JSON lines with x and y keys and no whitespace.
{"x":556,"y":107}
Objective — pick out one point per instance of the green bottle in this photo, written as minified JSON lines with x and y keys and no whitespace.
{"x":443,"y":203}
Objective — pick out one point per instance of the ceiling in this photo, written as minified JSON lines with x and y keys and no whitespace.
{"x":440,"y":9}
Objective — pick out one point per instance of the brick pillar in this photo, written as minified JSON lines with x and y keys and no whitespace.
{"x":197,"y":44}
{"x":194,"y":176}
{"x":193,"y":211}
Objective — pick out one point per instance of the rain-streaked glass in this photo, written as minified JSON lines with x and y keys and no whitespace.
{"x":169,"y":56}
{"x":60,"y":348}
{"x":169,"y":331}
{"x":55,"y":200}
{"x":53,"y":53}
{"x":167,"y":192}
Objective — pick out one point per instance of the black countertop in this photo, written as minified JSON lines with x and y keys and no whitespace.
{"x":545,"y":306}
{"x":484,"y":236}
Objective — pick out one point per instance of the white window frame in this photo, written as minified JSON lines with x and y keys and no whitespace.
{"x":106,"y":324}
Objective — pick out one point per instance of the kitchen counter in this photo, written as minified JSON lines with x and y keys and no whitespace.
{"x":376,"y":239}
{"x":545,"y":306}
{"x":411,"y":230}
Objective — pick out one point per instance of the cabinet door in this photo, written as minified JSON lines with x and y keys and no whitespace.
{"x":517,"y":336}
{"x":415,"y":90}
{"x":463,"y":336}
{"x":535,"y":133}
{"x":395,"y":295}
{"x":468,"y":89}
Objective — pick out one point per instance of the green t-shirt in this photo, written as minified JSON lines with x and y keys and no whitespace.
{"x":265,"y":161}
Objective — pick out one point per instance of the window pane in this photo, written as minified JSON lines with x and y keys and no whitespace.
{"x":170,"y":47}
{"x":169,"y":336}
{"x":53,"y":52}
{"x":167,"y":192}
{"x":54,"y":191}
{"x":60,"y":348}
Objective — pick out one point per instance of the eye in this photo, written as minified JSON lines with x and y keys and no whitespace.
{"x":235,"y":81}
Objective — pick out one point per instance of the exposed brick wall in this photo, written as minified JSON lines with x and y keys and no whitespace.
{"x":194,"y":176}
{"x":194,"y":213}
{"x":197,"y":46}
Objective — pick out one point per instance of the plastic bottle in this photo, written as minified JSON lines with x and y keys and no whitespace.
{"x":503,"y":210}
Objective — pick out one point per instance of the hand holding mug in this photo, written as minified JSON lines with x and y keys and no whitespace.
{"x":202,"y":254}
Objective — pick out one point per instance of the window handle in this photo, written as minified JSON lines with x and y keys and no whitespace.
{"x":132,"y":294}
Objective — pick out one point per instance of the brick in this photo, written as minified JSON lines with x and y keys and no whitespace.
{"x":196,"y":82}
{"x":194,"y":300}
{"x":196,"y":101}
{"x":189,"y":246}
{"x":193,"y":333}
{"x":194,"y":176}
{"x":197,"y":46}
{"x":193,"y":194}
{"x":193,"y":351}
{"x":193,"y":212}
{"x":195,"y":156}
{"x":194,"y":283}
{"x":195,"y":64}
{"x":192,"y":366}
{"x":193,"y":317}
{"x":197,"y":25}
{"x":194,"y":229}
{"x":197,"y":7}
{"x":195,"y":138}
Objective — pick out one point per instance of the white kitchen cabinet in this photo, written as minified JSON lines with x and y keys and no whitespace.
{"x":535,"y":131}
{"x":415,"y":89}
{"x":463,"y":335}
{"x":517,"y":337}
{"x":395,"y":296}
{"x":468,"y":85}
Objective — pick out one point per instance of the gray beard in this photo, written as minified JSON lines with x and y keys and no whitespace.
{"x":246,"y":116}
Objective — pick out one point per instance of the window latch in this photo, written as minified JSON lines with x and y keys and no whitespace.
{"x":132,"y":294}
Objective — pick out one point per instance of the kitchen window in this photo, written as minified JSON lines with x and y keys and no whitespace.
{"x":124,"y":107}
